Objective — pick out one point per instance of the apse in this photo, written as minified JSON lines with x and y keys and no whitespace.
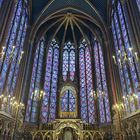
{"x":70,"y":58}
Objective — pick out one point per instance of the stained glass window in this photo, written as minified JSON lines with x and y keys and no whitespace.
{"x":68,"y":102}
{"x":34,"y":94}
{"x":102,"y":90}
{"x":13,"y":74}
{"x":86,"y":84}
{"x":124,"y":78}
{"x":9,"y":66}
{"x":50,"y":85}
{"x":128,"y":68}
{"x":68,"y":61}
{"x":127,"y":46}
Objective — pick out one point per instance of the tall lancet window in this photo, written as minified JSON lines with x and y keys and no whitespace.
{"x":50,"y":86}
{"x":13,"y":50}
{"x":34,"y":94}
{"x":102,"y":90}
{"x":126,"y":59}
{"x":86,"y":84}
{"x":68,"y":61}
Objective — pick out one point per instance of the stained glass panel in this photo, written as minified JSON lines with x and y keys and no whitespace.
{"x":54,"y":84}
{"x":45,"y":104}
{"x":10,"y":50}
{"x":32,"y":106}
{"x":68,"y":61}
{"x":65,"y":64}
{"x":127,"y":45}
{"x":83,"y":96}
{"x":122,"y":42}
{"x":16,"y":57}
{"x":72,"y":64}
{"x":99,"y":83}
{"x":9,"y":66}
{"x":104,"y":85}
{"x":68,"y":102}
{"x":125,"y":80}
{"x":50,"y":86}
{"x":86,"y":84}
{"x":19,"y":57}
{"x":91,"y":105}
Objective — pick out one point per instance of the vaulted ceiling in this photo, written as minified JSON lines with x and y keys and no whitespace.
{"x":68,"y":18}
{"x":99,"y":6}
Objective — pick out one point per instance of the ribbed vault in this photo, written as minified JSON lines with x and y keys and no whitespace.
{"x":69,"y":26}
{"x":66,"y":23}
{"x":79,"y":16}
{"x":100,"y":7}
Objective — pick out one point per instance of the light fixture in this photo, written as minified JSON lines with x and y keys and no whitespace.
{"x":42,"y":93}
{"x":122,"y":106}
{"x":21,"y":56}
{"x":38,"y":93}
{"x":98,"y":94}
{"x":2,"y":54}
{"x":126,"y":56}
{"x":9,"y":102}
